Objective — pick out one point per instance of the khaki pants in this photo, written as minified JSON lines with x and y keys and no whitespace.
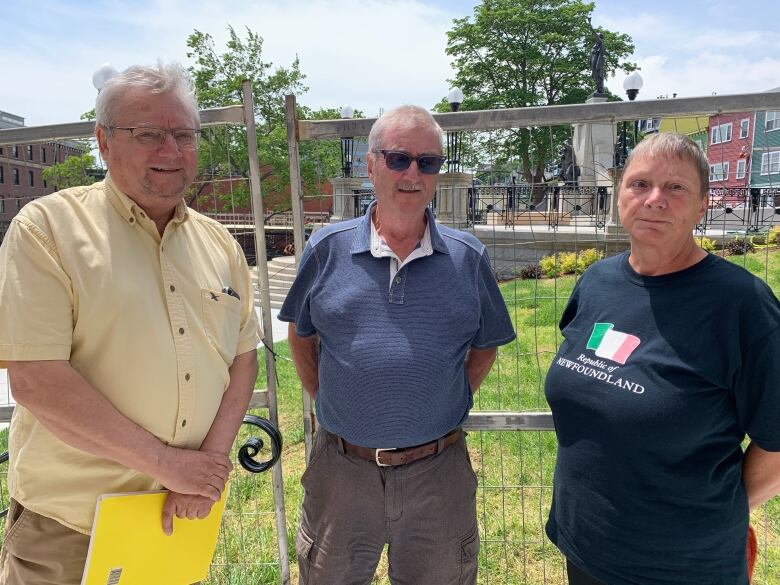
{"x":424,"y":511}
{"x":40,"y":551}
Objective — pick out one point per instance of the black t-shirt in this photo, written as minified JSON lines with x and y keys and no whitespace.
{"x":654,"y":387}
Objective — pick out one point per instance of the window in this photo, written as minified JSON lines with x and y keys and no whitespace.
{"x":744,"y":128}
{"x":721,"y":133}
{"x":45,"y":184}
{"x":719,"y":172}
{"x":43,"y":154}
{"x":772,"y":121}
{"x":29,"y":152}
{"x":16,"y":176}
{"x":18,"y":203}
{"x":770,"y":163}
{"x":2,"y":174}
{"x":2,"y":205}
{"x":15,"y":151}
{"x":741,"y":165}
{"x":31,"y":178}
{"x":1,"y":151}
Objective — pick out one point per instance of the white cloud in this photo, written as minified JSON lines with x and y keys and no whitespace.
{"x":369,"y":53}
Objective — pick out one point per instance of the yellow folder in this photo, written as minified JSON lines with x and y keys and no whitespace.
{"x":128,"y":545}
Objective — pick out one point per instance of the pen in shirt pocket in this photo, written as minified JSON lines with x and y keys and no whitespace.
{"x":229,"y":291}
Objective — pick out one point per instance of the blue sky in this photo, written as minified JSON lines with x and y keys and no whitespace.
{"x":50,"y":48}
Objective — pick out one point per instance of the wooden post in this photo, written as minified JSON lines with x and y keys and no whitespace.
{"x":265,"y":305}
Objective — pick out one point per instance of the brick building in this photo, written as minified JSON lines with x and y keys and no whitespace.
{"x":21,"y":170}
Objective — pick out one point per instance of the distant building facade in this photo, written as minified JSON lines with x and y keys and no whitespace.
{"x":730,"y":139}
{"x":765,"y":168}
{"x":21,"y":170}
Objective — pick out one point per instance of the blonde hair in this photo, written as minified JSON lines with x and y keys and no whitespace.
{"x":671,"y":145}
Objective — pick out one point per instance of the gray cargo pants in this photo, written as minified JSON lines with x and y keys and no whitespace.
{"x":425,"y":511}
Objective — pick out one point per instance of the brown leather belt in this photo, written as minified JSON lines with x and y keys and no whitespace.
{"x":394,"y":457}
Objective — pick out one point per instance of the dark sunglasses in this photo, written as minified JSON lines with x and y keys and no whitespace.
{"x":428,"y":164}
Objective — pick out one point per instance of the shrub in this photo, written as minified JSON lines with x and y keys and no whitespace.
{"x":586,"y":258}
{"x":705,"y":243}
{"x":739,"y":247}
{"x":550,"y":266}
{"x":531,"y":271}
{"x":568,"y":262}
{"x":773,"y":238}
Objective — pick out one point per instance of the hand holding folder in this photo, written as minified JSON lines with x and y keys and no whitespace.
{"x":129,"y":547}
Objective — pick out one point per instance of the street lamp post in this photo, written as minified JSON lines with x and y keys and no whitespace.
{"x":347,"y":145}
{"x":455,"y":99}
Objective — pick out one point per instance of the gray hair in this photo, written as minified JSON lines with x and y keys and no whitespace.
{"x":403,"y":117}
{"x":671,"y":145}
{"x":160,"y":78}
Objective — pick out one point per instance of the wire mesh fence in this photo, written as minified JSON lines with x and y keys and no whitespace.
{"x":522,"y":223}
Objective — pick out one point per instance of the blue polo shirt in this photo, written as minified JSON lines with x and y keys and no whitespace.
{"x":391,"y":364}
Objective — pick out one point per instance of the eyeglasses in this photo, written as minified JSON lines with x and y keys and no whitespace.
{"x":428,"y":164}
{"x":186,"y":138}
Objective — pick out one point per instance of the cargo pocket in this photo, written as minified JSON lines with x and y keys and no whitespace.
{"x":222,"y":322}
{"x":469,"y":557}
{"x":304,"y":550}
{"x":17,"y":516}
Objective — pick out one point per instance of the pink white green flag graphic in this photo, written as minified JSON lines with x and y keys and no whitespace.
{"x":610,"y":344}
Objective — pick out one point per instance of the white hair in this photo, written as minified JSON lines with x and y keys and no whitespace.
{"x":160,"y":78}
{"x":402,"y":117}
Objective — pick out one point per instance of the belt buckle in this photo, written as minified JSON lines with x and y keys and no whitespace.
{"x":376,"y":457}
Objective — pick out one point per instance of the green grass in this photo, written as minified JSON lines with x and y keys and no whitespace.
{"x":514,"y":468}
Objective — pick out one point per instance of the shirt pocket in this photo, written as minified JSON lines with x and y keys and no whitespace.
{"x":222,"y":322}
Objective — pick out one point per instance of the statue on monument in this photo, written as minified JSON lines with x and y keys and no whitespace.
{"x":598,"y":61}
{"x":568,"y":173}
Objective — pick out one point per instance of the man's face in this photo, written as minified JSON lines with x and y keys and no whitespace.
{"x":154,"y":177}
{"x":404,"y":193}
{"x":660,"y":201}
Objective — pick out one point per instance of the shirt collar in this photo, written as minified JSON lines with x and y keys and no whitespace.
{"x":130,"y":210}
{"x":362,"y":241}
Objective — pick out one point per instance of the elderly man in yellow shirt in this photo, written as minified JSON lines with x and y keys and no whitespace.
{"x":128,"y":329}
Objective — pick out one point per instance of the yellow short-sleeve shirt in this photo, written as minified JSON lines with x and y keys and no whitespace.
{"x":86,"y":277}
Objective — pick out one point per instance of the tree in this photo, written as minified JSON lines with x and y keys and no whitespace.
{"x":72,"y":172}
{"x":223,"y":152}
{"x":519,"y":53}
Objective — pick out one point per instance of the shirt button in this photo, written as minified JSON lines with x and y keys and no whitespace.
{"x":132,"y":220}
{"x":173,"y":288}
{"x":187,"y":377}
{"x":181,"y":330}
{"x":398,"y":280}
{"x":184,"y":422}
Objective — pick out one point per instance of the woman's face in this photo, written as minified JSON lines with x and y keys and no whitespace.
{"x":660,"y":202}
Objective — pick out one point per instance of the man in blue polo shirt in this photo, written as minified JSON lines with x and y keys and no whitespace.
{"x":394,"y":323}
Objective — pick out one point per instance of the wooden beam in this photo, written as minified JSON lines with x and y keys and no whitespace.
{"x":607,"y":112}
{"x":86,"y":129}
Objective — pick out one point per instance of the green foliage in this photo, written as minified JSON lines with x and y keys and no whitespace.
{"x":518,"y":53}
{"x":551,"y":266}
{"x":705,"y":243}
{"x":223,"y":153}
{"x":71,"y":172}
{"x":587,"y":257}
{"x":773,"y":237}
{"x":569,"y":262}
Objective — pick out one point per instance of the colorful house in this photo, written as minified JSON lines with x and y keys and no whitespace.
{"x":730,"y":137}
{"x":765,"y":168}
